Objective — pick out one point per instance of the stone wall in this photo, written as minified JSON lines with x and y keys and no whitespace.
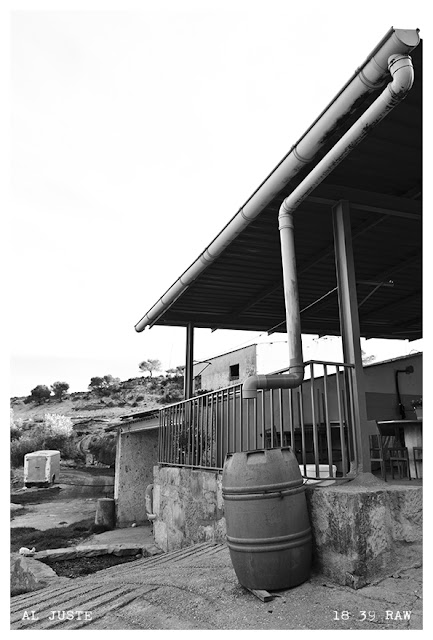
{"x":135,"y":459}
{"x":189,"y":507}
{"x":365,"y":530}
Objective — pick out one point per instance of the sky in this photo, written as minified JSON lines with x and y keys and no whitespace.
{"x":136,"y":131}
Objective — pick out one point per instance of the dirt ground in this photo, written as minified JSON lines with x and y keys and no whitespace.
{"x":75,"y":499}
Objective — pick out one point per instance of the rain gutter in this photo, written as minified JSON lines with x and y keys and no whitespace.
{"x":367,"y":78}
{"x":401,"y":68}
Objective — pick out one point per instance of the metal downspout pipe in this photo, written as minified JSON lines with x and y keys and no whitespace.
{"x":401,"y":69}
{"x":368,"y":78}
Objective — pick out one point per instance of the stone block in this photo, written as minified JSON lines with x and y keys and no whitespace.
{"x":151,"y":550}
{"x":89,"y":551}
{"x":27,"y":574}
{"x":66,"y":553}
{"x":160,"y":534}
{"x":22,"y":580}
{"x":364,"y":533}
{"x":125,"y":549}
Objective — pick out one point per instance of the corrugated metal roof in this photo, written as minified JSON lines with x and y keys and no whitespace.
{"x":242,"y":288}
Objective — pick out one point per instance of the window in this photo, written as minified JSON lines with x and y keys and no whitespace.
{"x":234,"y":372}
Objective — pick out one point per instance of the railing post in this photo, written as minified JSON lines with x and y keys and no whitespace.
{"x":189,"y":358}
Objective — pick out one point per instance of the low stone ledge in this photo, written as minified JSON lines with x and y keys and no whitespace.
{"x":65,"y":553}
{"x":126,"y":549}
{"x":89,"y":551}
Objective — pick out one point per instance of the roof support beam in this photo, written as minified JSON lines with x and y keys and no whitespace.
{"x":361,"y":201}
{"x":350,"y":333}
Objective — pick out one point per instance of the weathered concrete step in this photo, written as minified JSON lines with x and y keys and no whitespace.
{"x":89,"y":551}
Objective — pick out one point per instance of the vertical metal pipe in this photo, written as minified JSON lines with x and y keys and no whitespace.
{"x":262,"y":416}
{"x":327,"y":423}
{"x":160,"y":434}
{"x":352,"y":408}
{"x":213,"y":459}
{"x":248,"y":425}
{"x":189,"y":362}
{"x":314,"y":420}
{"x":255,"y":417}
{"x":291,"y":420}
{"x":301,"y":421}
{"x":271,"y":411}
{"x":235,"y":427}
{"x":228,"y":423}
{"x":340,"y":420}
{"x":217,"y":433}
{"x":281,"y":424}
{"x":241,"y":416}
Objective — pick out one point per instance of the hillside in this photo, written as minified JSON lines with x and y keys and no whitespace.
{"x":130,"y":396}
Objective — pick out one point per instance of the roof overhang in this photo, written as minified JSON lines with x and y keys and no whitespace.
{"x":241,"y":286}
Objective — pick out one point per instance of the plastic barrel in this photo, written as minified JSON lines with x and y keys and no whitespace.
{"x":268,"y":528}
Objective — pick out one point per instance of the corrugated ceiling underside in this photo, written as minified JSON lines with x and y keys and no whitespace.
{"x":242,"y":289}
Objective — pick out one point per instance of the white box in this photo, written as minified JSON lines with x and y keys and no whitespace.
{"x":41,"y":468}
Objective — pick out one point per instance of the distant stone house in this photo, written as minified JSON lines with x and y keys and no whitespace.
{"x":234,"y":367}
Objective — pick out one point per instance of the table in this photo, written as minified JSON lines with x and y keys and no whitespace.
{"x":412,"y":434}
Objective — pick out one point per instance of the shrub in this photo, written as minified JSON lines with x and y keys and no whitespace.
{"x":16,"y":425}
{"x":58,"y":424}
{"x":25,"y":444}
{"x":55,"y":433}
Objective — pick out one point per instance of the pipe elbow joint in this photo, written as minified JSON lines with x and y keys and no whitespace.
{"x":250,"y":386}
{"x":285,"y":216}
{"x":276,"y":381}
{"x":401,"y":68}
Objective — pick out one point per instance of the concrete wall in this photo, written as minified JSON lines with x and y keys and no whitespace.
{"x":217,"y":374}
{"x":135,"y":459}
{"x":380,"y":388}
{"x":362,"y":531}
{"x":189,"y":507}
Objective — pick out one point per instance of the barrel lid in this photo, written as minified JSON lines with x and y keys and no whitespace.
{"x":261,"y":469}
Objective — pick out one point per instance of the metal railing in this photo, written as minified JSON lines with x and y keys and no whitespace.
{"x":315,"y":419}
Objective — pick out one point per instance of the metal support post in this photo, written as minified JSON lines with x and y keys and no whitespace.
{"x":189,"y":357}
{"x":349,"y":325}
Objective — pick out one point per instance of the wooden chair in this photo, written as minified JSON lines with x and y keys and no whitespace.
{"x":417,"y":457}
{"x":399,"y":457}
{"x":378,"y":452}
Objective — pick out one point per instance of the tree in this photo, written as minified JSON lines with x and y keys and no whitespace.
{"x":104,"y":386}
{"x":40,"y":394}
{"x":59,"y":389}
{"x":150,"y":366}
{"x":176,"y":372}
